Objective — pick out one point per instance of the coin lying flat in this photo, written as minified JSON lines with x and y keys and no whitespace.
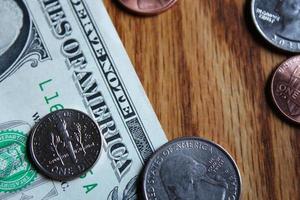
{"x":148,"y":7}
{"x":65,"y":144}
{"x":279,"y":22}
{"x":191,"y":168}
{"x":285,"y":88}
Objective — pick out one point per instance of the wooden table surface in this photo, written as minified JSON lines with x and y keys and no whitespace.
{"x":205,"y":70}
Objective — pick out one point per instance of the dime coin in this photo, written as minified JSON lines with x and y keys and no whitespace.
{"x":65,"y":144}
{"x":285,"y":88}
{"x":148,"y":7}
{"x":279,"y":22}
{"x":191,"y":168}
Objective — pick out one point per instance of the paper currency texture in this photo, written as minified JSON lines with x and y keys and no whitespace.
{"x":58,"y":54}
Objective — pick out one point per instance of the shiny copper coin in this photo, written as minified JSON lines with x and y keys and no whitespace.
{"x":147,"y":7}
{"x":285,"y":88}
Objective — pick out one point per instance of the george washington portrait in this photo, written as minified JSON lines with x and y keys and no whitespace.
{"x":184,"y":178}
{"x":15,"y":32}
{"x":11,"y":23}
{"x":289,"y":11}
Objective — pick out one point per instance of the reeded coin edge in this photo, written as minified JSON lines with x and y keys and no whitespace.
{"x":151,"y":12}
{"x":37,"y":164}
{"x":272,"y":92}
{"x":160,"y":149}
{"x":264,"y":35}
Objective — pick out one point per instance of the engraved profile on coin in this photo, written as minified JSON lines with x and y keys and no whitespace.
{"x":191,"y":168}
{"x":11,"y":21}
{"x":289,"y":10}
{"x":185,"y":178}
{"x":278,"y":21}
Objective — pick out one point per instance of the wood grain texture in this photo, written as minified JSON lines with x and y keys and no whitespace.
{"x":206,"y":70}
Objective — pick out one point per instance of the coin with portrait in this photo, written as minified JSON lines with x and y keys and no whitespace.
{"x":279,"y":22}
{"x":191,"y":168}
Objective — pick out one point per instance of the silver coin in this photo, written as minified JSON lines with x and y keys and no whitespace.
{"x":279,"y":22}
{"x":65,"y":144}
{"x":191,"y":168}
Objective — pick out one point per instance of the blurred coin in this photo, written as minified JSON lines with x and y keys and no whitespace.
{"x":285,"y":87}
{"x":191,"y":168}
{"x":147,"y":7}
{"x":65,"y":144}
{"x":279,"y":22}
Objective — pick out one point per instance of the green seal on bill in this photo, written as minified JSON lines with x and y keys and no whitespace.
{"x":16,"y":171}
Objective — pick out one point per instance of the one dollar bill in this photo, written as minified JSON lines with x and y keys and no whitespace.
{"x":57,"y":54}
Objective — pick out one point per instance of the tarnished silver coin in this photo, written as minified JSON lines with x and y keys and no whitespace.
{"x":65,"y":144}
{"x":191,"y":168}
{"x":279,"y":22}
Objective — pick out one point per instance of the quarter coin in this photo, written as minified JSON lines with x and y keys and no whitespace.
{"x":278,"y":21}
{"x":285,"y":88}
{"x":65,"y":144}
{"x":147,"y":7}
{"x":191,"y":168}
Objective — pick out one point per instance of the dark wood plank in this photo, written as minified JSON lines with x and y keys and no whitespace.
{"x":205,"y":70}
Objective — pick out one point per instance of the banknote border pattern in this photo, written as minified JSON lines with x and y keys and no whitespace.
{"x":36,"y":47}
{"x":133,"y":121}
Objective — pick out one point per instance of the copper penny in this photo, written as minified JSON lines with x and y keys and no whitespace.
{"x":285,"y":88}
{"x":147,"y":7}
